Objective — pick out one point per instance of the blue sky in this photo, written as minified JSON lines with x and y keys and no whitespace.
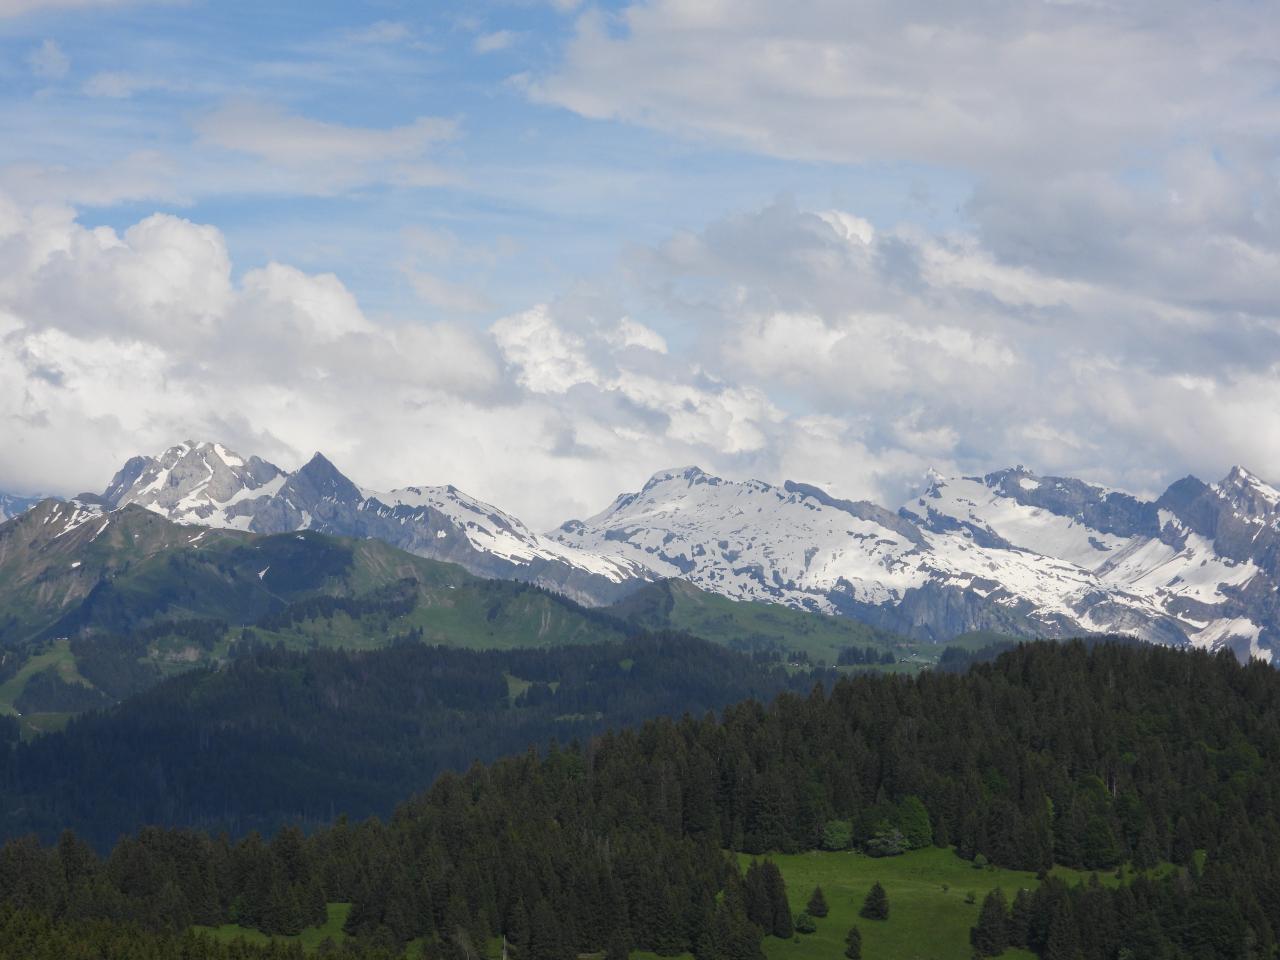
{"x":839,"y":242}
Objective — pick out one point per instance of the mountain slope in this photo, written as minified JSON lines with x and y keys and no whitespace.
{"x":206,"y":483}
{"x":278,"y":737}
{"x":752,"y":626}
{"x":96,"y":604}
{"x":1008,"y":552}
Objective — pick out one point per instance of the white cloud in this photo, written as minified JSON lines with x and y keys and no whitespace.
{"x":318,"y":156}
{"x":1007,"y":85}
{"x":930,"y":351}
{"x":547,"y":358}
{"x":446,"y":294}
{"x":115,"y":342}
{"x":495,"y":41}
{"x":629,"y":333}
{"x":48,"y":61}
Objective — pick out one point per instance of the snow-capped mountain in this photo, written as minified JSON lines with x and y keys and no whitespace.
{"x":207,"y":484}
{"x":1009,"y":551}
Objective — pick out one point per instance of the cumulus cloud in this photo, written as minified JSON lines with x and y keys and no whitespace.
{"x":114,"y":342}
{"x":1125,"y":144}
{"x":932,"y":351}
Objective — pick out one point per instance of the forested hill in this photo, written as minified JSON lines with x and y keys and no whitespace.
{"x":1053,"y":753}
{"x":281,"y":736}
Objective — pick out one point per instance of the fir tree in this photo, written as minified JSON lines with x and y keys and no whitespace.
{"x":776,"y":889}
{"x":876,"y":905}
{"x":990,"y":937}
{"x":817,"y":905}
{"x":853,"y":944}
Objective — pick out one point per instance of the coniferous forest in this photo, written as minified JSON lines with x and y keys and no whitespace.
{"x":1084,"y":756}
{"x":281,"y":737}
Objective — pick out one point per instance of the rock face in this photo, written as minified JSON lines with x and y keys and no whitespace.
{"x":1009,"y":551}
{"x":207,"y":484}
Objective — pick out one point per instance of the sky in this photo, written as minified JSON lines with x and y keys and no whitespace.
{"x":541,"y":249}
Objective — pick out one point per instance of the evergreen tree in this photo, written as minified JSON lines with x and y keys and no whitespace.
{"x":853,"y":944}
{"x":1063,"y":942}
{"x":876,"y":905}
{"x":545,"y":941}
{"x":913,"y":821}
{"x":780,"y":911}
{"x":1020,"y":918}
{"x":990,"y":937}
{"x":817,"y":905}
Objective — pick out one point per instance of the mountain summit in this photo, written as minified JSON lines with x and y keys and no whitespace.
{"x":1009,"y":551}
{"x":208,"y":484}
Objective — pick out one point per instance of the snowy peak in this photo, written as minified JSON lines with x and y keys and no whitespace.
{"x":1055,"y":516}
{"x":208,"y":484}
{"x":1010,"y":550}
{"x":1251,"y":498}
{"x":752,"y":540}
{"x":191,"y":482}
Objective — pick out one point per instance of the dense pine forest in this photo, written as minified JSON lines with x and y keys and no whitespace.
{"x":287,"y":737}
{"x":1083,"y":756}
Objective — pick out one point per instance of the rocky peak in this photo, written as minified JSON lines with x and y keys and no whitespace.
{"x":318,"y":479}
{"x":1250,"y":497}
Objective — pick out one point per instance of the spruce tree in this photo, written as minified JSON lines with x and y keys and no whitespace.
{"x":876,"y":906}
{"x":1063,"y":943}
{"x":991,"y":936}
{"x":776,"y":887}
{"x":817,"y":905}
{"x":853,"y":944}
{"x":1020,"y":919}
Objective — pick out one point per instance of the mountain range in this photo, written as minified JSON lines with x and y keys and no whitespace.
{"x":1010,"y":551}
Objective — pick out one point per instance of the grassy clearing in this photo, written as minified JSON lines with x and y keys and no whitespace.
{"x":59,"y":657}
{"x":929,"y":918}
{"x":310,"y":938}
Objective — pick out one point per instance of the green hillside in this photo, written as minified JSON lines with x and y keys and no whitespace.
{"x":752,"y":626}
{"x":92,"y":610}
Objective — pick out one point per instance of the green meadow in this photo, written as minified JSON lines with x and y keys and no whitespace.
{"x":929,"y":912}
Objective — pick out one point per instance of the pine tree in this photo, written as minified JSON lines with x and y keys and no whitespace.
{"x":853,"y":944}
{"x":876,"y":906}
{"x":817,"y":905}
{"x":776,"y":888}
{"x":1063,"y":944}
{"x":991,"y":936}
{"x":1020,"y":918}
